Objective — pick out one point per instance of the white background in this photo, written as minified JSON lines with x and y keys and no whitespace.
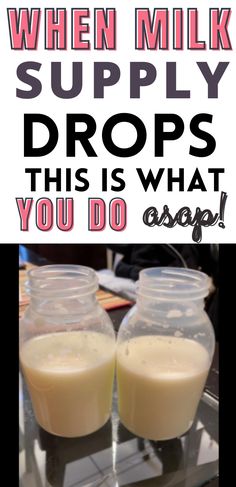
{"x":15,"y":183}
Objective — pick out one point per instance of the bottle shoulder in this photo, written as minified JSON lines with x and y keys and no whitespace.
{"x":48,"y":320}
{"x":186,"y":323}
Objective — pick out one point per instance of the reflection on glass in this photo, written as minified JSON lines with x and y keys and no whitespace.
{"x":114,"y":457}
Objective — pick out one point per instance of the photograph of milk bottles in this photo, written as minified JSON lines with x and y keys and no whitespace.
{"x":118,"y":365}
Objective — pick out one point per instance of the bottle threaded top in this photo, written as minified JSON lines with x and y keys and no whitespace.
{"x":173,"y":283}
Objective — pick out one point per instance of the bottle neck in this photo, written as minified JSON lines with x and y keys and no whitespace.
{"x":172,"y":289}
{"x":76,"y":305}
{"x":147,"y":304}
{"x":62,"y":289}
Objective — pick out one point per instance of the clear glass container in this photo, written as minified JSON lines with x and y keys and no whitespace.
{"x":164,"y":352}
{"x":67,"y":350}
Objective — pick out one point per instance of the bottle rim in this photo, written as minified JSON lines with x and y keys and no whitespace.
{"x":173,"y":283}
{"x":61,"y":280}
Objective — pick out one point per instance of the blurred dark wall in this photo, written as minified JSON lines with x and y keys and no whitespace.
{"x":81,"y":254}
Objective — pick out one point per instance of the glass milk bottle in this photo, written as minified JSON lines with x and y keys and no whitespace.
{"x":67,"y":350}
{"x":164,"y":352}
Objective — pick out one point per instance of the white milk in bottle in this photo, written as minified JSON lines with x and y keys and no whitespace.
{"x":70,"y":378}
